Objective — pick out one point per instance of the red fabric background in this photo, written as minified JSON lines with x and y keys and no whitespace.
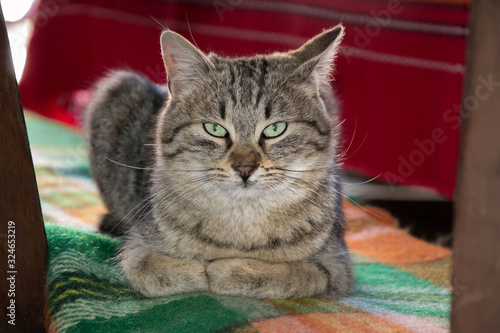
{"x":399,"y":71}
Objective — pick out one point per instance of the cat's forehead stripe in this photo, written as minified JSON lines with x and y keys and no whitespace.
{"x":247,"y":80}
{"x":231,"y":86}
{"x":260,"y":83}
{"x":222,"y":110}
{"x":267,"y":111}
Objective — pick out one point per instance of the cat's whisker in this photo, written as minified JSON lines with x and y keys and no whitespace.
{"x":357,"y":204}
{"x":341,"y":253}
{"x":181,"y":196}
{"x":166,"y":170}
{"x":314,"y":185}
{"x":352,"y":140}
{"x":359,"y":147}
{"x":200,"y":170}
{"x":148,"y":200}
{"x":307,"y":170}
{"x":301,"y":194}
{"x":362,"y":183}
{"x":161,"y":24}
{"x":163,"y":216}
{"x":193,"y":184}
{"x":128,"y":166}
{"x":348,"y":198}
{"x":143,"y":203}
{"x":124,"y":219}
{"x":204,"y":180}
{"x":311,"y":189}
{"x":339,"y":124}
{"x":144,"y":213}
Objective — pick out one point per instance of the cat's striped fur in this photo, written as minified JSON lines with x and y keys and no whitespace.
{"x":241,"y":214}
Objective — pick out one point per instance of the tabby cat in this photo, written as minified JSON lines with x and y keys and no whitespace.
{"x":226,"y":181}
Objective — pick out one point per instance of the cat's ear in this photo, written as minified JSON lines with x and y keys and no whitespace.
{"x":186,"y":65}
{"x":316,"y":57}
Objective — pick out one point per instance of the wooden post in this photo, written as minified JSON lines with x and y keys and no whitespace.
{"x":23,"y":246}
{"x":476,"y":275}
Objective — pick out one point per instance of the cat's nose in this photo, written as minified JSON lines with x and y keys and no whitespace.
{"x":245,"y":171}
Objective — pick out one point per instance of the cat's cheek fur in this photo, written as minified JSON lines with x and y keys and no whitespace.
{"x":255,"y":278}
{"x":155,"y":274}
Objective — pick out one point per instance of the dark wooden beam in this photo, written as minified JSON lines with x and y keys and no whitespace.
{"x":22,"y":233}
{"x":476,"y":275}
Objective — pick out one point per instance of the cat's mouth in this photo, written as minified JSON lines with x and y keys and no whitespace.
{"x":247,"y":184}
{"x":252,"y":183}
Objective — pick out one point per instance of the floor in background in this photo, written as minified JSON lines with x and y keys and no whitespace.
{"x":423,"y":212}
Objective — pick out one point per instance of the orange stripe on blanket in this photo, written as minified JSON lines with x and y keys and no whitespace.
{"x":88,"y":215}
{"x":393,"y":246}
{"x":327,"y":323}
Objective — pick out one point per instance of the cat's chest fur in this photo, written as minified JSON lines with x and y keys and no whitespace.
{"x":252,"y":228}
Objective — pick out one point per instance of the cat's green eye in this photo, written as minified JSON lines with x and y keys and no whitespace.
{"x":274,"y":130}
{"x":215,"y":130}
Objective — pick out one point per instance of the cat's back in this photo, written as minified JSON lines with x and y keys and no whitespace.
{"x":118,"y":129}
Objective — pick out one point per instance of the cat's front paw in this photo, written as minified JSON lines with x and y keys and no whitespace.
{"x":255,"y":278}
{"x":155,"y":274}
{"x":231,"y":277}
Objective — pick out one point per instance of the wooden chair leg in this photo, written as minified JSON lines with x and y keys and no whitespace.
{"x":23,"y":245}
{"x":476,"y":275}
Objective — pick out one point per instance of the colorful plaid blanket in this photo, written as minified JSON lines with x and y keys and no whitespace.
{"x":402,"y":283}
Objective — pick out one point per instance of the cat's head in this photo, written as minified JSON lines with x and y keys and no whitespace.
{"x":248,"y":125}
